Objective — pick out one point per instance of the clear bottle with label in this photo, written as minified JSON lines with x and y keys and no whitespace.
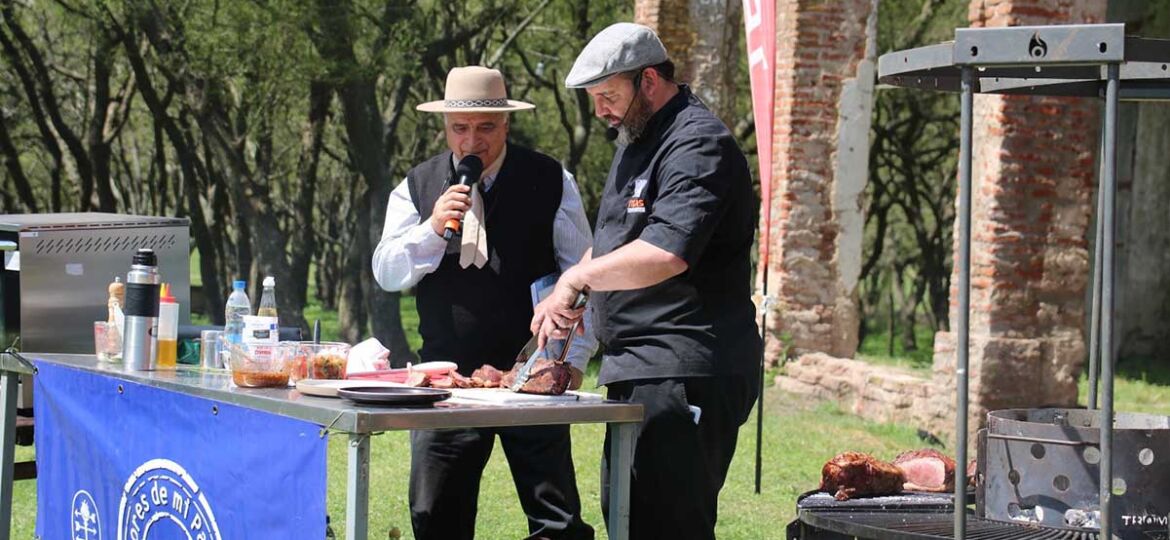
{"x":168,"y":328}
{"x":238,"y":306}
{"x":268,"y":299}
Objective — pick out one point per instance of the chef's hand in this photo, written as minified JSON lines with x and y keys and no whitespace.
{"x":455,"y":202}
{"x":553,"y":317}
{"x":576,"y":378}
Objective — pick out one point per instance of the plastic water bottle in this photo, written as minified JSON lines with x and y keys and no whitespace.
{"x":238,"y":305}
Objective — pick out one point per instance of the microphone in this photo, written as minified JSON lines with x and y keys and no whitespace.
{"x":468,"y":171}
{"x":611,"y":134}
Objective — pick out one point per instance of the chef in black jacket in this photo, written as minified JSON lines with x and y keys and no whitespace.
{"x":670,"y":281}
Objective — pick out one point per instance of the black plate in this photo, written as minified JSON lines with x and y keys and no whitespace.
{"x":395,"y":396}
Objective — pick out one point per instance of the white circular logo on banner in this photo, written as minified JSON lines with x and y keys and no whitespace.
{"x":160,"y":500}
{"x":84,"y":523}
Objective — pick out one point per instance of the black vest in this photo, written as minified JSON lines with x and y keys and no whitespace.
{"x":474,"y":316}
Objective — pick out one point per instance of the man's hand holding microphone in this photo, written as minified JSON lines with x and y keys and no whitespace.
{"x":447,"y":215}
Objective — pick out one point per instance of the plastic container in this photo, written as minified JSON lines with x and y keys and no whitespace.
{"x":325,"y":360}
{"x":260,"y":330}
{"x":238,"y":306}
{"x":168,"y":328}
{"x":260,"y":366}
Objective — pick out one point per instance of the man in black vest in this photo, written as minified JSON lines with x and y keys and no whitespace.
{"x":522,"y":221}
{"x":670,"y":273}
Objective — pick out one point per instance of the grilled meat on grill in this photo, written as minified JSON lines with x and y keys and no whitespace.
{"x":926,"y":470}
{"x":855,"y":474}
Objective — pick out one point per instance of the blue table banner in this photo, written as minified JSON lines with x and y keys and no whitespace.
{"x":118,"y":460}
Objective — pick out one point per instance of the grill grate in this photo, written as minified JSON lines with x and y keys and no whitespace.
{"x":933,"y":525}
{"x":915,"y":516}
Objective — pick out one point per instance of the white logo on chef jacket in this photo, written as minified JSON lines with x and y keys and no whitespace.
{"x":636,"y":204}
{"x":161,"y":500}
{"x":84,"y":523}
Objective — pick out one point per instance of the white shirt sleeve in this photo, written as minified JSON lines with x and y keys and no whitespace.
{"x":408,"y":249}
{"x":571,"y":238}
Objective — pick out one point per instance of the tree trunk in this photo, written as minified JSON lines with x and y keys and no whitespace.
{"x":11,"y":158}
{"x":95,"y":138}
{"x":702,"y":38}
{"x":364,"y":127}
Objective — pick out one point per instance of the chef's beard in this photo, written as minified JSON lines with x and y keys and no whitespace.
{"x":634,"y":123}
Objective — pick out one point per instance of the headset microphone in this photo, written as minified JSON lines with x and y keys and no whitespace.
{"x":611,"y":132}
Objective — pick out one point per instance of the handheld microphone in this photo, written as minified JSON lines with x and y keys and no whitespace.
{"x":468,"y":171}
{"x":611,"y":133}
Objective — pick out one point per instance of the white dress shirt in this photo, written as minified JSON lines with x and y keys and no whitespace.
{"x":410,"y":249}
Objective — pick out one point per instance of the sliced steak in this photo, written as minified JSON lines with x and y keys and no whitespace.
{"x":856,"y":474}
{"x":487,"y":373}
{"x":418,"y":378}
{"x":546,"y":378}
{"x":927,"y":470}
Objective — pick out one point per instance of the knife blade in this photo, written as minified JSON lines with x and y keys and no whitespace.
{"x":530,"y":358}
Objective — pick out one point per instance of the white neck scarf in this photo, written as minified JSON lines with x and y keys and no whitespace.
{"x":473,"y":249}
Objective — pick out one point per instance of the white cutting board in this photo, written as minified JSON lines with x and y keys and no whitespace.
{"x":507,"y":397}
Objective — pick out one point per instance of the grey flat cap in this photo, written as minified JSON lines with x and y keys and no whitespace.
{"x":620,"y":47}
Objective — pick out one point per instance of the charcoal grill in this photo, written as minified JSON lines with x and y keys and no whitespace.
{"x":1021,"y":495}
{"x":908,"y":517}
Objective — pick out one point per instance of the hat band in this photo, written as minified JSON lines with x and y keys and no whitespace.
{"x":474,"y":103}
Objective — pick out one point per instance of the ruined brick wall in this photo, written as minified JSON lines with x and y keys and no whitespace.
{"x":821,"y":48}
{"x":702,"y":37}
{"x":1033,"y":177}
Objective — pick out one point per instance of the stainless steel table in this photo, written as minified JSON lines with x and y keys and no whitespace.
{"x":358,"y":422}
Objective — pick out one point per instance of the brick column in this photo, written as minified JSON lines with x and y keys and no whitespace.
{"x":1033,"y":180}
{"x":824,"y":85}
{"x":703,"y":41}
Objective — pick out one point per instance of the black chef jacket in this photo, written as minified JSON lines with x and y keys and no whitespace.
{"x":683,"y":186}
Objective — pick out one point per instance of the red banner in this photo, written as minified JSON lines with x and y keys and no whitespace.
{"x":760,"y":21}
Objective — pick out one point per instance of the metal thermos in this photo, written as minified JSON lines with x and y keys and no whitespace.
{"x":140,"y":336}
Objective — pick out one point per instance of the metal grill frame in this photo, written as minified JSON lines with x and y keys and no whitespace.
{"x":1120,"y":68}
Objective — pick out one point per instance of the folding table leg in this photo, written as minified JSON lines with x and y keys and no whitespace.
{"x":357,"y":488}
{"x":8,"y":390}
{"x":621,"y":459}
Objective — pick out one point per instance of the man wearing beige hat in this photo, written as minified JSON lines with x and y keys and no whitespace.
{"x":670,"y":275}
{"x":523,"y":220}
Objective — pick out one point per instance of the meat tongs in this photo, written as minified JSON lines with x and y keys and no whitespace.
{"x":525,"y":372}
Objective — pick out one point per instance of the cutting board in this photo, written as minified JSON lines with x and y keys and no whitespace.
{"x":507,"y":397}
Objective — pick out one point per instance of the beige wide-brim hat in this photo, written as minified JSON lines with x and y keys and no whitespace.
{"x":475,"y":89}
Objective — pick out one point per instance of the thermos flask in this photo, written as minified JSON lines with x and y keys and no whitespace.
{"x":140,"y":340}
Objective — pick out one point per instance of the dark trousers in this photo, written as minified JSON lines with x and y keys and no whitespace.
{"x":445,"y":470}
{"x":679,"y":466}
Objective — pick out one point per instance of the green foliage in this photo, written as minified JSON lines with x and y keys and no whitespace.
{"x":877,"y":345}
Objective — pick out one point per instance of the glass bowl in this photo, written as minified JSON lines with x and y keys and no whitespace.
{"x":325,"y":360}
{"x":260,"y":366}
